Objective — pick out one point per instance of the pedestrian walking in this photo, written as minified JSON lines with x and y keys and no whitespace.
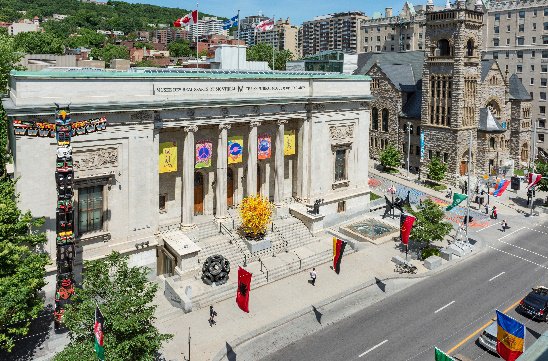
{"x":313,"y":276}
{"x":212,"y":314}
{"x":494,"y":214}
{"x":504,"y":225}
{"x":486,"y":208}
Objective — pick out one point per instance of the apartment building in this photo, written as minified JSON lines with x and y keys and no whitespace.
{"x":516,"y":34}
{"x":166,"y":36}
{"x":247,"y":28}
{"x":284,"y":36}
{"x":209,"y":25}
{"x":341,"y":31}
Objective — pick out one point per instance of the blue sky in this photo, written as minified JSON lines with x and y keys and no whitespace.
{"x":297,"y":10}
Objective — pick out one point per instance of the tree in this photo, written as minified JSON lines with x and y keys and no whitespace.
{"x":255,"y":213}
{"x":437,"y":169}
{"x":86,"y":38}
{"x":110,"y":52}
{"x":22,"y":267}
{"x":34,"y":42}
{"x":542,"y":168}
{"x":264,"y":52}
{"x":179,"y":48}
{"x":390,"y":157}
{"x":146,"y":63}
{"x":429,"y":226}
{"x":125,"y":298}
{"x":202,"y":53}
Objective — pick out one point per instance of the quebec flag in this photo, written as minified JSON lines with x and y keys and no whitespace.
{"x":230,"y":22}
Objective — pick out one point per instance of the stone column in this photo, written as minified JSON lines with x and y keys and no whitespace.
{"x":222,"y":168}
{"x":252,"y":159}
{"x":188,"y":176}
{"x":303,"y":159}
{"x":279,"y":166}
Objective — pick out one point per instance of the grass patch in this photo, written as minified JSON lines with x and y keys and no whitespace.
{"x":520,"y":172}
{"x":436,"y":187}
{"x":373,"y":196}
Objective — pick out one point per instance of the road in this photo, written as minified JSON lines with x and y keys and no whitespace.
{"x":444,"y":310}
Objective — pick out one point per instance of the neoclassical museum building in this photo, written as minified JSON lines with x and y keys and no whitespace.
{"x":182,"y":147}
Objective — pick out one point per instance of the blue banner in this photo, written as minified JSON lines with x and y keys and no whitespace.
{"x":233,"y":21}
{"x":422,"y":144}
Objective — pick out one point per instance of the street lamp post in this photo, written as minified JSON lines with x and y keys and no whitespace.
{"x":468,"y":190}
{"x":408,"y":145}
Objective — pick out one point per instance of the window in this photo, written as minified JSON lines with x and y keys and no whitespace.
{"x":445,"y":157}
{"x":543,"y":96}
{"x":533,"y":53}
{"x":540,"y":138}
{"x":545,"y":39}
{"x":508,"y":28}
{"x":521,"y":28}
{"x":495,"y":55}
{"x":375,"y":117}
{"x":162,"y":203}
{"x":532,"y":67}
{"x":542,"y":110}
{"x":470,"y":47}
{"x":535,"y":12}
{"x":520,"y":53}
{"x":509,"y":15}
{"x":546,"y":12}
{"x":378,"y":38}
{"x":438,"y":154}
{"x":443,"y":46}
{"x":532,"y":81}
{"x":492,"y":143}
{"x":545,"y":54}
{"x":340,"y":165}
{"x":544,"y":68}
{"x":430,"y":154}
{"x":542,"y":123}
{"x":534,"y":40}
{"x":497,"y":29}
{"x":543,"y":82}
{"x":520,"y":41}
{"x":496,"y":42}
{"x":385,"y":120}
{"x":507,"y":41}
{"x":341,"y":207}
{"x":507,"y":55}
{"x":546,"y":25}
{"x":522,"y":14}
{"x":519,"y":68}
{"x":90,"y":209}
{"x":497,"y":17}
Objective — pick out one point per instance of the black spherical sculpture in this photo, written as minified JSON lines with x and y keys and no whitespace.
{"x":215,"y":270}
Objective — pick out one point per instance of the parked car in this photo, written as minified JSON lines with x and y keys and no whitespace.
{"x":488,"y":338}
{"x":535,"y":304}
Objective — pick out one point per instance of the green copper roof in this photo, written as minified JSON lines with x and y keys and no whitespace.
{"x":84,"y":73}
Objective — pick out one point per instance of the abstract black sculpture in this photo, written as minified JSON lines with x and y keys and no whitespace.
{"x":215,"y":270}
{"x":398,"y":204}
{"x":316,"y":207}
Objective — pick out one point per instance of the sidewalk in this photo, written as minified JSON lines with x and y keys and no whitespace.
{"x":270,"y":303}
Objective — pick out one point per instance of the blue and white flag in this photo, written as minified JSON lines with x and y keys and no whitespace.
{"x":230,"y":22}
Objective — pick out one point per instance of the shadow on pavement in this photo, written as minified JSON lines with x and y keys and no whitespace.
{"x":318,"y":314}
{"x":230,"y":354}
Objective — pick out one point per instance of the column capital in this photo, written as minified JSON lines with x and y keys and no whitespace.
{"x":225,"y":126}
{"x":281,"y":121}
{"x":191,"y":129}
{"x":254,"y":123}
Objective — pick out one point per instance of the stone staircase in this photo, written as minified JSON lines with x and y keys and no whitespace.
{"x":203,"y":231}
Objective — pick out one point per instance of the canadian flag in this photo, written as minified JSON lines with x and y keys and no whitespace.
{"x":533,"y":179}
{"x":265,"y":25}
{"x":188,"y":19}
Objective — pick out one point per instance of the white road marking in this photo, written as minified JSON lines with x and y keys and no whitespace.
{"x":500,"y":274}
{"x":536,"y":230}
{"x":511,"y":233}
{"x":513,"y":255}
{"x":525,"y":249}
{"x":483,"y":229}
{"x":447,"y":305}
{"x":372,"y":348}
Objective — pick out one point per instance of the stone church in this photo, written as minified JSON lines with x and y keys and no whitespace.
{"x":448,"y":94}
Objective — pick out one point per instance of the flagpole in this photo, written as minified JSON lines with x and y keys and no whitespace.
{"x":238,"y":40}
{"x":468,"y":191}
{"x":196,"y":30}
{"x":273,"y":49}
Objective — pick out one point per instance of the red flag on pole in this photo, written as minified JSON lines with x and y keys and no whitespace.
{"x":406,"y":224}
{"x":534,"y":179}
{"x":338,"y":250}
{"x":188,"y":19}
{"x":244,"y":286}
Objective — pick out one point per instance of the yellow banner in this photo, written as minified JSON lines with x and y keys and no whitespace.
{"x":289,"y":142}
{"x":168,"y":157}
{"x":235,"y":149}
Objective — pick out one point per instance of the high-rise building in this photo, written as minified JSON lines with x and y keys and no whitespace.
{"x":339,"y":31}
{"x":207,"y":26}
{"x":516,"y":35}
{"x":247,"y":28}
{"x":284,"y":36}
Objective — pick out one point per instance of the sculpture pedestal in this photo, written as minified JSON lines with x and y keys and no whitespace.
{"x":314,"y":222}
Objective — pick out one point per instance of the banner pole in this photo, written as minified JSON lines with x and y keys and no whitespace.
{"x":196,"y":30}
{"x":238,"y":40}
{"x":468,"y":190}
{"x":273,"y":52}
{"x":406,"y":250}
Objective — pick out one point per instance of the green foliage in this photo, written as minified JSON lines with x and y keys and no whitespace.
{"x":8,"y":58}
{"x":202,"y":53}
{"x":117,"y":15}
{"x":373,"y":196}
{"x":542,"y":168}
{"x":125,"y":296}
{"x":390,"y":157}
{"x":263,"y":52}
{"x":86,"y":38}
{"x":437,"y":169}
{"x":519,"y":172}
{"x":110,"y":52}
{"x":429,"y":226}
{"x":147,"y":63}
{"x":22,"y":267}
{"x":39,"y":43}
{"x":180,"y":48}
{"x":431,"y":251}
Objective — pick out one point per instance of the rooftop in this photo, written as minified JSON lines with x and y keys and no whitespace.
{"x":144,"y":73}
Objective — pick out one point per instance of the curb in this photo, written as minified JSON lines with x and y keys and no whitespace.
{"x":349,"y":292}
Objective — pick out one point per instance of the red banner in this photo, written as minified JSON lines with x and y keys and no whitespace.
{"x":338,"y":250}
{"x":406,"y":224}
{"x":244,"y":286}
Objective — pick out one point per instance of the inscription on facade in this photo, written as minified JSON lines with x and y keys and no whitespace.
{"x":96,"y":159}
{"x":143,"y":116}
{"x":342,"y":134}
{"x":228,"y":89}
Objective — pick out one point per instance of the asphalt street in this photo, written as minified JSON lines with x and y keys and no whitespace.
{"x":444,"y":310}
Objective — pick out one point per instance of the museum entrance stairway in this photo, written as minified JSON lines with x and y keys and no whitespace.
{"x":293,"y":249}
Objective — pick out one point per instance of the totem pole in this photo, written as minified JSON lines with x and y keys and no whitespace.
{"x":63,"y":130}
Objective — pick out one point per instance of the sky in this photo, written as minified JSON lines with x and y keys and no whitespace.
{"x":297,"y":10}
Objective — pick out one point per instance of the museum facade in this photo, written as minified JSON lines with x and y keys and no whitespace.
{"x":181,"y":147}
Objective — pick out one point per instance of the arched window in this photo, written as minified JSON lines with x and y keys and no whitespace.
{"x":470,"y":47}
{"x":443,"y":46}
{"x":494,"y":107}
{"x":385,"y":120}
{"x":375,"y":118}
{"x":492,"y":143}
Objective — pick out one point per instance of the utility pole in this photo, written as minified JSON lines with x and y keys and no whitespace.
{"x":408,"y":145}
{"x":468,"y":191}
